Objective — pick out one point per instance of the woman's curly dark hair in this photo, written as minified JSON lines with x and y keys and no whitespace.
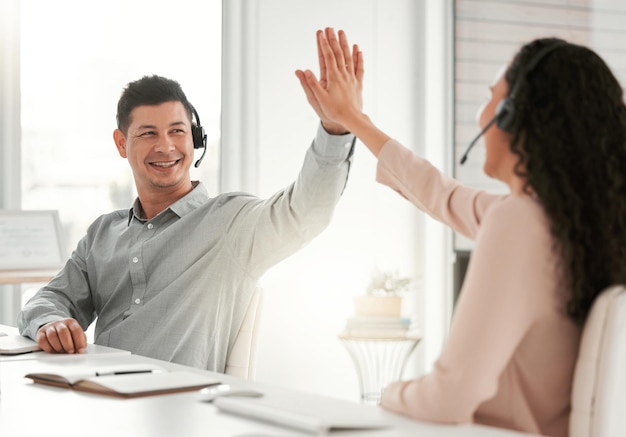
{"x":569,"y":132}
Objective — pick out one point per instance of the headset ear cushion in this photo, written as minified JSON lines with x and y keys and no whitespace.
{"x":198,"y":136}
{"x":505,"y":113}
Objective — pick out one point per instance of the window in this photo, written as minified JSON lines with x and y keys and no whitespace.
{"x":76,"y":58}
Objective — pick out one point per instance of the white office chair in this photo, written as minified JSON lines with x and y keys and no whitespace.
{"x":241,"y":361}
{"x":599,"y":390}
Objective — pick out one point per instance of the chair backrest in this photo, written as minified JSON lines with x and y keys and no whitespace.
{"x":241,"y":361}
{"x":599,"y":390}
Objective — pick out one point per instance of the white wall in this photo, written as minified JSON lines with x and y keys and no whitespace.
{"x":309,"y":296}
{"x":9,"y":133}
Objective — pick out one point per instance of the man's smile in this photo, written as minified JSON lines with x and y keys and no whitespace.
{"x":165,"y":164}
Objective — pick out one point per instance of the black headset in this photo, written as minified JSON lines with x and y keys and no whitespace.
{"x":198,"y":135}
{"x":505,"y":111}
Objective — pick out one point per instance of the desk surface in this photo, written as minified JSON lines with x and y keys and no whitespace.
{"x":92,"y":349}
{"x":30,"y":409}
{"x":9,"y":330}
{"x":26,"y":276}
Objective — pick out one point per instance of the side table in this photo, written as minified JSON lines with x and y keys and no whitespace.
{"x":379,"y":360}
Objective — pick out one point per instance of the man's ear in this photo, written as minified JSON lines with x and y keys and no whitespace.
{"x":120,"y":142}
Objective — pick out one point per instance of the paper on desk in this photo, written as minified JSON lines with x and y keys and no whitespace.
{"x":313,"y":414}
{"x":123,"y":380}
{"x":17,"y":344}
{"x":71,"y":374}
{"x":13,"y":347}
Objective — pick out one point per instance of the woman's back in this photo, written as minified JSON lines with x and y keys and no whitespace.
{"x":510,"y":355}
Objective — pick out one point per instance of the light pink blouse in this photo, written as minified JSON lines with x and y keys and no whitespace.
{"x":509,"y":358}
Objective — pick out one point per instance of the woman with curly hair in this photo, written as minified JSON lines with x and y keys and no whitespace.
{"x":555,"y":133}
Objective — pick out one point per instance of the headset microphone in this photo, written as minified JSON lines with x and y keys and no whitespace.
{"x":505,"y":111}
{"x":197,"y":164}
{"x":198,"y":135}
{"x":475,"y":140}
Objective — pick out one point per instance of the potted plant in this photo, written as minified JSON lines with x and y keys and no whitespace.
{"x":383,"y":296}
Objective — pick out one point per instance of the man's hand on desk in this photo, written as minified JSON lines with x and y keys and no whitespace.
{"x":62,"y":336}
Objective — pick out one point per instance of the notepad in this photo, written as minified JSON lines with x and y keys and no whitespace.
{"x":124,"y":381}
{"x":17,"y":344}
{"x":305,"y":413}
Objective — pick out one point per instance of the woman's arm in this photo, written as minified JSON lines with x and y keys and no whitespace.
{"x":506,"y":289}
{"x":443,"y":198}
{"x":336,"y":98}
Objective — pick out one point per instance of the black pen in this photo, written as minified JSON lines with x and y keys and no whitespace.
{"x":125,"y":372}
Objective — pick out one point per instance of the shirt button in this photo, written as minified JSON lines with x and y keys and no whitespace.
{"x":150,"y":226}
{"x":135,"y":260}
{"x":347,"y":145}
{"x":137,"y":301}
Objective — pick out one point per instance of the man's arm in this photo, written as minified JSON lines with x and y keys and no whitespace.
{"x":270,"y":230}
{"x":265,"y":232}
{"x":58,"y":313}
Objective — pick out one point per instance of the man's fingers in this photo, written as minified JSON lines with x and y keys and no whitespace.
{"x":307,"y":89}
{"x":79,"y":336}
{"x":53,"y":338}
{"x":320,"y":55}
{"x":62,"y":336}
{"x":65,"y":338}
{"x":315,"y":90}
{"x":42,"y":341}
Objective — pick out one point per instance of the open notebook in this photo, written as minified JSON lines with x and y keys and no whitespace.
{"x":305,"y":412}
{"x":124,"y":380}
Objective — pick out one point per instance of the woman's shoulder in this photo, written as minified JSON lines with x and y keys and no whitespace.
{"x":517,"y":209}
{"x":517,"y":219}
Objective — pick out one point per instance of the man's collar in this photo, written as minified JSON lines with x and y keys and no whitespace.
{"x":189,"y":202}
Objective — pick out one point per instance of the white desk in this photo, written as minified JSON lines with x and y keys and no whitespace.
{"x":26,"y":276}
{"x":30,"y":409}
{"x":9,"y":330}
{"x":92,"y":349}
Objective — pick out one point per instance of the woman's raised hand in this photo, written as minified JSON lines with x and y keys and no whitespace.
{"x":337,"y":96}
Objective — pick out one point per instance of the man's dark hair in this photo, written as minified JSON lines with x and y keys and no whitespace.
{"x":149,"y":90}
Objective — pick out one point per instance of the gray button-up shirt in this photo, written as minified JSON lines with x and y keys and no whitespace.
{"x":176,"y":287}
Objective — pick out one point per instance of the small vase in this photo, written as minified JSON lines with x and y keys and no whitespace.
{"x":378,"y":306}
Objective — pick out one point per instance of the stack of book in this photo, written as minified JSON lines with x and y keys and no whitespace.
{"x":379,"y":326}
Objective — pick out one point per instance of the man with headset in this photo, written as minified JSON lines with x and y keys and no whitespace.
{"x":171,"y":278}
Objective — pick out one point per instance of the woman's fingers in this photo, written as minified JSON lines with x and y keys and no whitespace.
{"x":357,"y":57}
{"x":328,"y":55}
{"x":337,"y":94}
{"x":340,"y":50}
{"x":335,"y":51}
{"x":345,"y":50}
